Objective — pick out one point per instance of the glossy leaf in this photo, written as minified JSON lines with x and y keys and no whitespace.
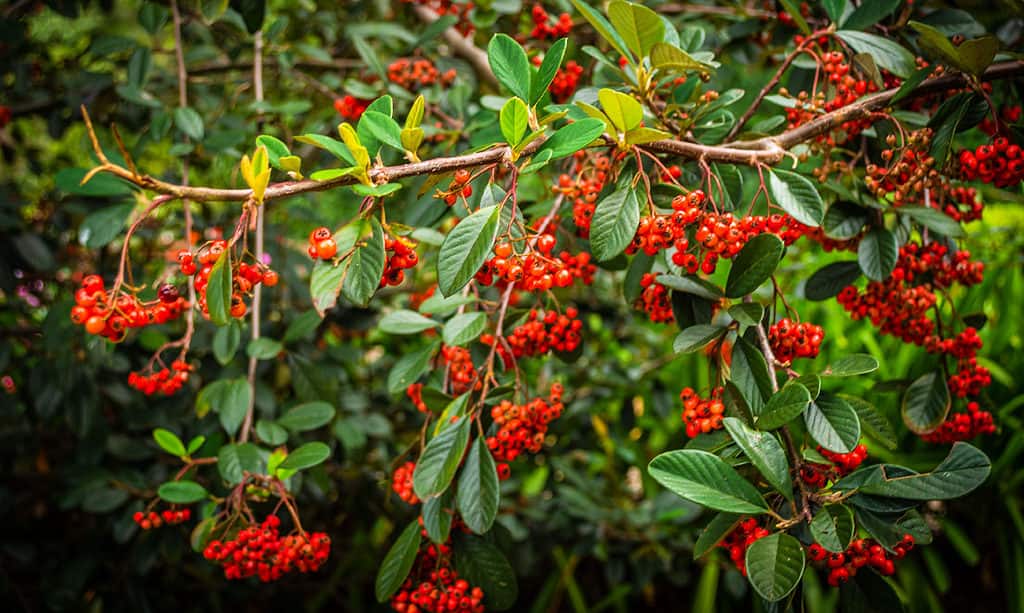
{"x":926,"y":403}
{"x":765,"y":452}
{"x":478,"y":492}
{"x":614,"y":224}
{"x":307,"y":416}
{"x":465,"y":249}
{"x":774,"y":565}
{"x":754,"y":265}
{"x":398,"y":562}
{"x":440,"y":459}
{"x":510,"y":65}
{"x":306,"y":456}
{"x":797,"y":196}
{"x":963,"y":470}
{"x":833,"y":527}
{"x":784,"y":406}
{"x":707,"y":480}
{"x":832,"y":423}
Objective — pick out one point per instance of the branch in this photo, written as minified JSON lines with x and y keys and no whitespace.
{"x":462,"y":45}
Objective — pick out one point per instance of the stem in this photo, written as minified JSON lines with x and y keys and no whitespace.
{"x":179,"y":55}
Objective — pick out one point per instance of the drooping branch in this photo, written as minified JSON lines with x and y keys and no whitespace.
{"x":768,"y":150}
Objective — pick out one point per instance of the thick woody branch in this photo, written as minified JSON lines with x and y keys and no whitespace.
{"x":768,"y":150}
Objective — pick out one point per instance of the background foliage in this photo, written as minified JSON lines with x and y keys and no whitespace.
{"x":585,"y":528}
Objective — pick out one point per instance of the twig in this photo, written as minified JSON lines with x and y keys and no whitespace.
{"x":179,"y":54}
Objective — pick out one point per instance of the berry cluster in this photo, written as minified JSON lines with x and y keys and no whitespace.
{"x":1007,"y":115}
{"x":244,"y":276}
{"x":536,"y":270}
{"x":817,"y":475}
{"x":790,"y":340}
{"x":415,"y":74}
{"x":259,"y":551}
{"x":462,"y":373}
{"x":401,"y":482}
{"x":701,"y":415}
{"x":522,"y":427}
{"x":541,"y":333}
{"x":567,"y":78}
{"x":654,"y":299}
{"x":111,"y":316}
{"x":167,"y":381}
{"x":322,"y":245}
{"x":591,"y":171}
{"x":459,"y":186}
{"x":167,"y":517}
{"x":351,"y":108}
{"x":1000,"y":163}
{"x":401,"y":255}
{"x":860,"y":553}
{"x":963,"y":426}
{"x":415,"y":393}
{"x":845,"y":90}
{"x":435,"y":587}
{"x":542,"y":30}
{"x":742,"y":537}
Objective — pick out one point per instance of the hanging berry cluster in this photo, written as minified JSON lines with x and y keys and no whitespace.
{"x":244,"y":276}
{"x":166,"y":381}
{"x":401,"y":256}
{"x":654,"y":299}
{"x":401,"y":482}
{"x":415,"y":74}
{"x":861,"y":552}
{"x":1000,"y":163}
{"x":591,"y":172}
{"x":168,"y":517}
{"x":462,"y":374}
{"x":817,"y":475}
{"x":701,"y":415}
{"x":790,"y":340}
{"x":434,"y":586}
{"x":350,"y":108}
{"x":567,"y":78}
{"x":322,"y":245}
{"x":522,"y":427}
{"x":741,"y":538}
{"x":459,"y":187}
{"x":542,"y":30}
{"x":415,"y":393}
{"x":963,"y":426}
{"x":535,"y":270}
{"x":260,"y":551}
{"x":109,"y":316}
{"x":540,"y":334}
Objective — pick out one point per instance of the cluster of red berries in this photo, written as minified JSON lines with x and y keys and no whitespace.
{"x":459,"y":186}
{"x":1007,"y":115}
{"x":448,"y":7}
{"x":790,"y":340}
{"x":350,"y":107}
{"x":742,"y":537}
{"x":542,"y":30}
{"x":401,"y":255}
{"x":969,"y":379}
{"x":654,"y":299}
{"x":846,"y":89}
{"x":567,"y":78}
{"x":462,"y":373}
{"x":259,"y":551}
{"x":817,"y":475}
{"x":522,"y":427}
{"x":541,"y":333}
{"x":414,"y":74}
{"x":416,"y":299}
{"x":591,"y":171}
{"x":322,"y":245}
{"x":167,"y":517}
{"x":701,"y":415}
{"x":244,"y":276}
{"x":111,"y":317}
{"x":166,"y":381}
{"x":1000,"y":163}
{"x":415,"y":393}
{"x":860,"y":553}
{"x":435,"y":587}
{"x":963,"y":426}
{"x":401,"y":482}
{"x":536,"y":270}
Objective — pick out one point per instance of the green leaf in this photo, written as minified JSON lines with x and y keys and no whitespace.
{"x":797,"y":196}
{"x":275,"y":149}
{"x":695,"y":338}
{"x":478,"y":493}
{"x":833,"y":423}
{"x":510,"y":65}
{"x":409,"y":367}
{"x":747,"y":313}
{"x":833,"y":527}
{"x":271,"y":433}
{"x":622,"y":109}
{"x":547,"y":70}
{"x":788,"y":403}
{"x":844,"y":220}
{"x":437,"y":517}
{"x":639,"y":26}
{"x":665,"y":56}
{"x":465,"y":249}
{"x":483,"y":565}
{"x":264,"y":348}
{"x":306,"y":456}
{"x":870,"y":13}
{"x":331,"y":145}
{"x":233,"y":461}
{"x":189,"y":122}
{"x":601,"y":25}
{"x":182,"y":492}
{"x":926,"y":403}
{"x":366,"y":267}
{"x":749,"y":372}
{"x":614,"y":224}
{"x":911,"y":83}
{"x":233,"y":403}
{"x":775,"y":564}
{"x":464,"y":328}
{"x":873,"y":423}
{"x":218,"y":290}
{"x":976,"y":55}
{"x":765,"y":452}
{"x":404,"y":321}
{"x":307,"y":416}
{"x":101,"y":227}
{"x":877,"y":254}
{"x":835,"y":9}
{"x":642,"y":136}
{"x":102,"y":185}
{"x":717,"y":529}
{"x":195,"y":444}
{"x":830,"y":279}
{"x":954,"y":115}
{"x":570,"y":138}
{"x":440,"y":459}
{"x":934,"y":220}
{"x":383,"y":128}
{"x":513,"y":119}
{"x":707,"y":480}
{"x":852,"y":364}
{"x":691,"y":284}
{"x":886,"y":53}
{"x":398,"y":562}
{"x":754,"y":265}
{"x":169,"y":442}
{"x":225,"y":342}
{"x":963,"y":470}
{"x":324,"y":285}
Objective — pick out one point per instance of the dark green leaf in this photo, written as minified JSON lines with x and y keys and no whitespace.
{"x":366,"y":267}
{"x":440,"y":459}
{"x":833,"y":423}
{"x":833,"y":527}
{"x":697,"y":337}
{"x":570,"y":138}
{"x":182,"y":492}
{"x":787,"y":404}
{"x":926,"y":403}
{"x":964,"y":469}
{"x":830,"y":279}
{"x":754,"y":265}
{"x":308,"y":416}
{"x":510,"y":65}
{"x":870,"y":13}
{"x":541,"y":79}
{"x":887,"y":53}
{"x":614,"y":224}
{"x":478,"y":493}
{"x":774,"y":565}
{"x":797,"y":196}
{"x":306,"y":456}
{"x":852,"y":364}
{"x":465,"y":249}
{"x":218,"y":290}
{"x":483,"y":565}
{"x":877,"y":254}
{"x":717,"y":529}
{"x":707,"y":480}
{"x":765,"y":452}
{"x":101,"y":227}
{"x":189,"y":122}
{"x":397,"y":564}
{"x":409,"y":367}
{"x":464,"y":328}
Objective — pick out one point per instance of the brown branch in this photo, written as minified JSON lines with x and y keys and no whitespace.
{"x":462,"y":45}
{"x":724,"y":11}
